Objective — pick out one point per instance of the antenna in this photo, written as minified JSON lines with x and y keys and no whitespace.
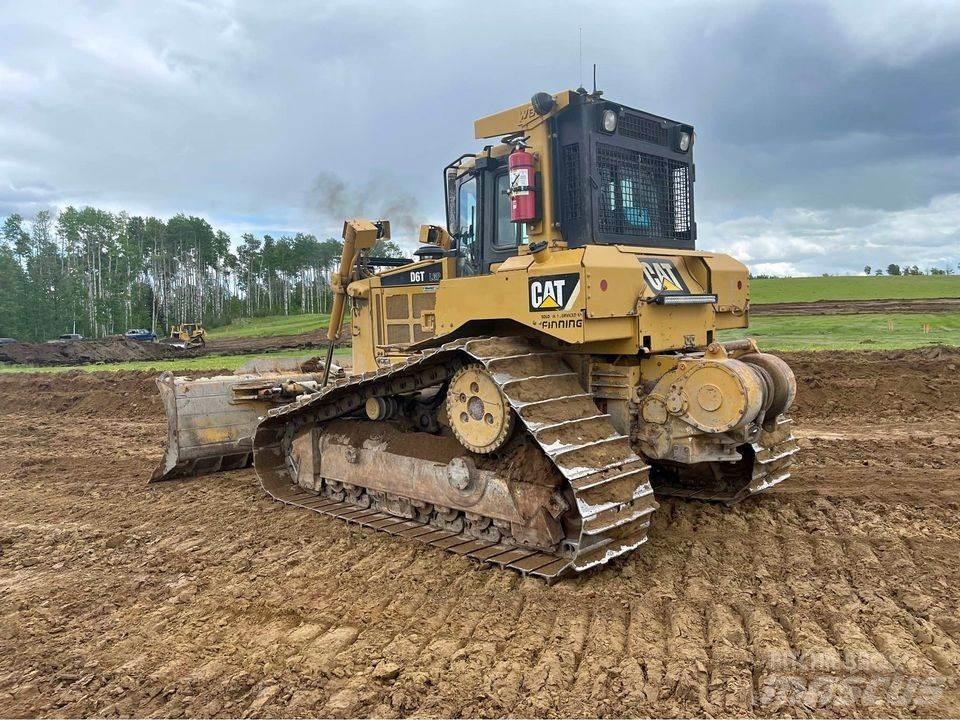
{"x":581,"y":56}
{"x":594,"y":78}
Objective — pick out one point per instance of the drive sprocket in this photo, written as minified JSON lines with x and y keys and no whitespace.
{"x":479,"y":413}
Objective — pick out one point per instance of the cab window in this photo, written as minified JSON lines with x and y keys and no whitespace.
{"x":468,"y":262}
{"x":508,"y":234}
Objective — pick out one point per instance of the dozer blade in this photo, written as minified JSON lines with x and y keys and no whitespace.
{"x":211,"y":421}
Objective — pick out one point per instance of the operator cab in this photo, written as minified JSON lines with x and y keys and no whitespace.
{"x":615,"y":175}
{"x":478,"y":211}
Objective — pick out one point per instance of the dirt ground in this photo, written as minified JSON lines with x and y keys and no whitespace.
{"x":835,"y":594}
{"x":118,"y":349}
{"x":86,"y":352}
{"x":855,"y":307}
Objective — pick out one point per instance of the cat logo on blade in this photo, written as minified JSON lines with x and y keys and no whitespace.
{"x":553,"y":292}
{"x":662,"y":277}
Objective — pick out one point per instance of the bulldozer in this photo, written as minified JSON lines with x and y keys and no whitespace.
{"x":549,"y":363}
{"x":187,"y":335}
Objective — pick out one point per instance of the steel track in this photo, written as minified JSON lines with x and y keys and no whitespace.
{"x":613,"y":501}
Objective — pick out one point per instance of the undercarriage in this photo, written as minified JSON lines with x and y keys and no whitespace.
{"x":449,"y":462}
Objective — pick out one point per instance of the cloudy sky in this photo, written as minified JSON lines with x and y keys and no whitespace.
{"x":828,"y":133}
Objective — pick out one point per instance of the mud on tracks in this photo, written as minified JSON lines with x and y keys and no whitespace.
{"x":833,"y":596}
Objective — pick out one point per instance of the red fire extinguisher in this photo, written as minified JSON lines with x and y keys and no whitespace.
{"x":523,"y":186}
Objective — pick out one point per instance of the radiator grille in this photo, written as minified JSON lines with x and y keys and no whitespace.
{"x":572,"y":203}
{"x":643,"y":195}
{"x":398,"y":334}
{"x":424,"y":302}
{"x":419,"y":334}
{"x":397,"y":307}
{"x":641,"y":128}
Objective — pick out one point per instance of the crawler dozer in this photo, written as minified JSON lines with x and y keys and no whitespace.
{"x":187,"y":335}
{"x":549,"y":363}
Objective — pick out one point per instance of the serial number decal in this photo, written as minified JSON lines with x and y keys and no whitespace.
{"x":560,"y":321}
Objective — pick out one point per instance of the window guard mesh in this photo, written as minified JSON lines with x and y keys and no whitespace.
{"x":643,"y":195}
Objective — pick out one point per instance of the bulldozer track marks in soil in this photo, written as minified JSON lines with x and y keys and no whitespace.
{"x":837,"y":596}
{"x":614,"y":498}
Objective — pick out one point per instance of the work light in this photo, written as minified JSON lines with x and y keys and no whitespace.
{"x":609,"y":121}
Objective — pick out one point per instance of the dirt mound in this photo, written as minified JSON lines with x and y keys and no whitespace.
{"x":855,"y":307}
{"x":314,"y":339}
{"x":80,"y":394}
{"x":876,"y":384}
{"x":84,"y":352}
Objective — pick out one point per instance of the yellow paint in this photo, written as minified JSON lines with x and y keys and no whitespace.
{"x":611,"y":312}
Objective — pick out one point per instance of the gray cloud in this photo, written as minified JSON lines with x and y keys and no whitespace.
{"x":808,"y":241}
{"x":234,"y":110}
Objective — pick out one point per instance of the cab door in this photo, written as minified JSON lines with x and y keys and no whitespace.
{"x":486,"y":237}
{"x":500,"y":236}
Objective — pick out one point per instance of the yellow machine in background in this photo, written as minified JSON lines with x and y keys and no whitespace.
{"x":188,"y":335}
{"x":549,"y":362}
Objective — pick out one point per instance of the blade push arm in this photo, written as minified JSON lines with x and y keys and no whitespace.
{"x":358,"y":235}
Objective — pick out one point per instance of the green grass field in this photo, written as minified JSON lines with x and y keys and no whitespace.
{"x":186,"y":365}
{"x":850,"y":332}
{"x":809,"y":289}
{"x":270,"y":326}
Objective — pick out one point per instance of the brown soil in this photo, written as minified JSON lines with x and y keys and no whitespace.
{"x":835,"y":594}
{"x":119,"y":349}
{"x":855,"y":307}
{"x":238,"y":346}
{"x":85,"y":352}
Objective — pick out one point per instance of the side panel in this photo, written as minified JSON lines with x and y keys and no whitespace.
{"x":549,"y":297}
{"x":394,"y":310}
{"x":604,"y":299}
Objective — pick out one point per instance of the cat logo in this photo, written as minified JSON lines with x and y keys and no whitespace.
{"x":662,"y":277}
{"x":553,"y":292}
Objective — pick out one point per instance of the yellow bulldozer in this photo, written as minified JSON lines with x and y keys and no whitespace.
{"x":187,"y":335}
{"x":545,"y":368}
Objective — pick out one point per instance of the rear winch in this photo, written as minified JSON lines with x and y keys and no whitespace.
{"x":706,"y":406}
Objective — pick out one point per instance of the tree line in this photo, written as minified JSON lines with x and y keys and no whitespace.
{"x":99,"y":273}
{"x":891,"y":269}
{"x":894,"y":269}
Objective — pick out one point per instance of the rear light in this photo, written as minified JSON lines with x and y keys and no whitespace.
{"x":685,"y":299}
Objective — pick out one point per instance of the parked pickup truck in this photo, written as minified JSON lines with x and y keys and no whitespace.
{"x":140,"y":334}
